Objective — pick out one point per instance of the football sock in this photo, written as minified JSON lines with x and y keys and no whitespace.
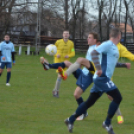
{"x":72,"y":68}
{"x":79,"y":101}
{"x":118,"y":112}
{"x":56,"y":65}
{"x":8,"y":77}
{"x":80,"y":110}
{"x":57,"y":85}
{"x":0,"y":74}
{"x":112,"y":109}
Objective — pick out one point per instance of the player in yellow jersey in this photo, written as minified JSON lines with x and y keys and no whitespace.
{"x":123,"y":52}
{"x":65,"y":50}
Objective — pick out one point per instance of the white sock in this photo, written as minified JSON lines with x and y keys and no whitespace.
{"x":57,"y":85}
{"x":118,"y":112}
{"x":72,"y":68}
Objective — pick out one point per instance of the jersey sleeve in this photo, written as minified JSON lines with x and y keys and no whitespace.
{"x":125,"y":53}
{"x":13,"y":49}
{"x":0,"y":46}
{"x":72,"y":51}
{"x":56,"y":44}
{"x":103,"y":48}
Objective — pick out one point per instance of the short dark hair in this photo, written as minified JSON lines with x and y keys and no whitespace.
{"x":95,"y":35}
{"x":66,"y":30}
{"x":7,"y":35}
{"x":114,"y":32}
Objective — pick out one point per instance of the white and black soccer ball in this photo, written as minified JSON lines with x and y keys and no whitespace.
{"x":51,"y":49}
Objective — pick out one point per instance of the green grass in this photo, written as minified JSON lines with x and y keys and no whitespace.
{"x":27,"y":107}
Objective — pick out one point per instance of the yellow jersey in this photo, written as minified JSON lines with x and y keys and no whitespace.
{"x":63,"y":49}
{"x":123,"y":52}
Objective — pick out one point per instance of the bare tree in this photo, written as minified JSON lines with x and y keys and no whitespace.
{"x":130,"y":15}
{"x":108,"y":12}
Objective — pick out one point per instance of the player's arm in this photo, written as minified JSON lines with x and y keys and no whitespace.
{"x":56,"y":44}
{"x":95,"y":59}
{"x":125,"y":53}
{"x":13,"y":54}
{"x":72,"y":51}
{"x":123,"y":65}
{"x":1,"y":52}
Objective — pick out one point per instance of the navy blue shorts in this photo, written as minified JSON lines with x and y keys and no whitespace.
{"x":83,"y":81}
{"x":102,"y":84}
{"x":7,"y":64}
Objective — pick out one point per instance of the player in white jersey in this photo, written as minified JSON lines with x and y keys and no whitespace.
{"x":102,"y":82}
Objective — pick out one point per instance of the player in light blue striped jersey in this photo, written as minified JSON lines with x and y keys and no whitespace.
{"x":7,"y":54}
{"x":102,"y":83}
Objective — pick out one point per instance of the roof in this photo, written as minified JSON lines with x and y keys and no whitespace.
{"x":122,"y":27}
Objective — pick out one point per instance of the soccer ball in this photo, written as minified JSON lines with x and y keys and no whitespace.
{"x":51,"y":49}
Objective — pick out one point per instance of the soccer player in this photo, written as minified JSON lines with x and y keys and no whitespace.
{"x":102,"y":83}
{"x":65,"y":51}
{"x":84,"y":76}
{"x":7,"y":53}
{"x":123,"y":52}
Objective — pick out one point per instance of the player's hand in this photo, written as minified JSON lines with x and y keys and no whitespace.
{"x":99,"y":72}
{"x":58,"y":56}
{"x":66,"y":56}
{"x":3,"y":58}
{"x":128,"y":65}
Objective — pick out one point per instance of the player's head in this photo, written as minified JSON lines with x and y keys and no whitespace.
{"x":92,"y":38}
{"x":66,"y":34}
{"x":115,"y":33}
{"x":7,"y":37}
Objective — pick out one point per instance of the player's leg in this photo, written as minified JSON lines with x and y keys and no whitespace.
{"x":2,"y":66}
{"x":73,"y":67}
{"x":80,"y":61}
{"x":115,"y":94}
{"x":118,"y":112}
{"x":57,"y":87}
{"x":77,"y":94}
{"x":9,"y":66}
{"x":93,"y":97}
{"x":83,"y":82}
{"x":55,"y":91}
{"x":47,"y":66}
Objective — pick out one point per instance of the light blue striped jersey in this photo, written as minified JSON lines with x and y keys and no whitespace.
{"x":6,"y":50}
{"x":109,"y":58}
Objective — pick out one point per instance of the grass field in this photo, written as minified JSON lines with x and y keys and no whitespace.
{"x":27,"y":107}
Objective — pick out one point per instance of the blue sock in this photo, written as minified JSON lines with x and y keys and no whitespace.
{"x":79,"y":101}
{"x":56,"y":65}
{"x":111,"y":111}
{"x":80,"y":110}
{"x":8,"y":76}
